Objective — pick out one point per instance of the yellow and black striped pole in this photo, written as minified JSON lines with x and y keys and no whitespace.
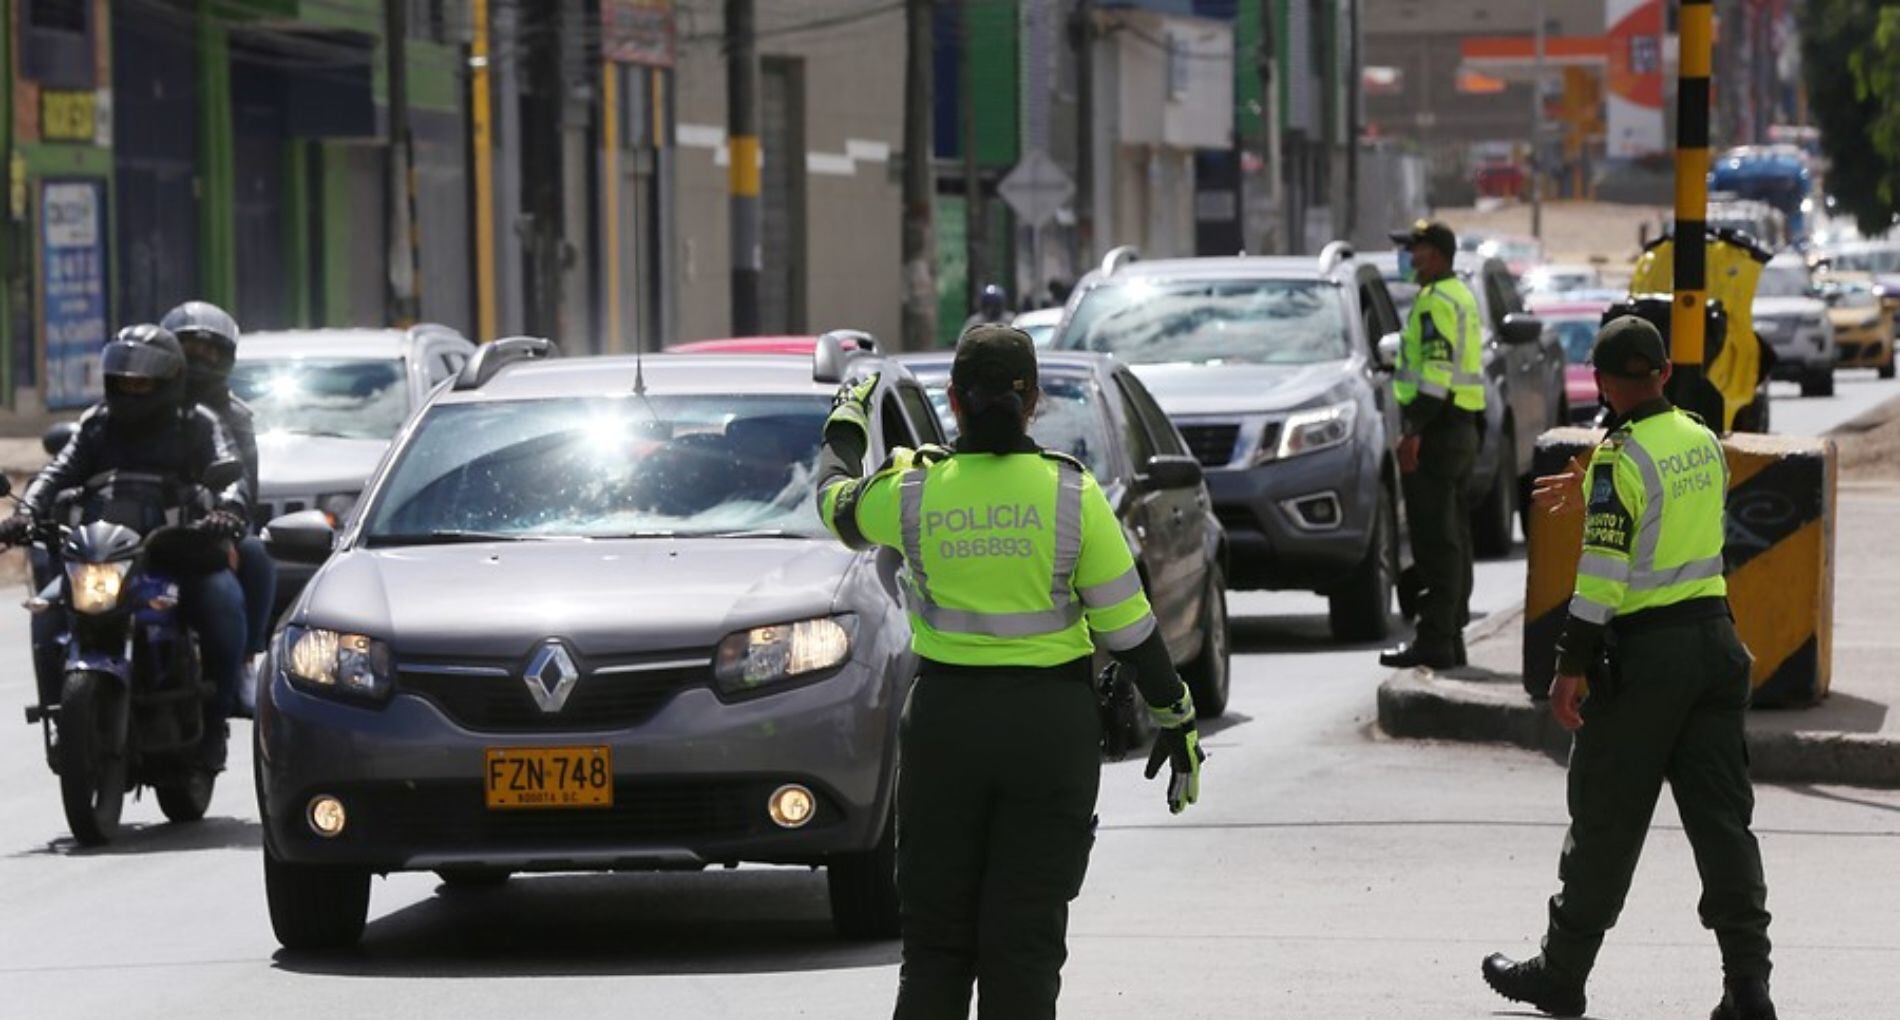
{"x":1689,"y":388}
{"x":742,"y":147}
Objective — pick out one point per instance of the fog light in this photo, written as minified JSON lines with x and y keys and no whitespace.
{"x":791,"y":806}
{"x":326,"y":816}
{"x":1318,"y":512}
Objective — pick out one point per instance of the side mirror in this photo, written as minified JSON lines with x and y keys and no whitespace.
{"x":1171,"y":471}
{"x":1388,"y":350}
{"x":1520,"y":328}
{"x":55,"y":438}
{"x":303,"y":537}
{"x":223,"y":473}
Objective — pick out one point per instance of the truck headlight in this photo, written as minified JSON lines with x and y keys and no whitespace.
{"x":1317,"y":429}
{"x":764,"y":656}
{"x":96,"y":586}
{"x":334,"y":664}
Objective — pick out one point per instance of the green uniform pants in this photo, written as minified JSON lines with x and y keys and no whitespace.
{"x":1676,"y":713}
{"x":995,"y":818}
{"x":1438,"y":508}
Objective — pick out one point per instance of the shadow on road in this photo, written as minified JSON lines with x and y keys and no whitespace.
{"x":762,"y":921}
{"x":1288,"y":634}
{"x":162,"y":838}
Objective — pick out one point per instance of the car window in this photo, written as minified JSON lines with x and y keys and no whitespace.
{"x":1269,"y":322}
{"x":1160,"y":429}
{"x":1576,"y":336}
{"x":1501,"y":295}
{"x":1135,"y":436}
{"x":924,"y":417}
{"x":897,"y":430}
{"x":1375,"y":302}
{"x":1070,"y":418}
{"x":1783,"y":281}
{"x":347,"y":398}
{"x":445,"y":362}
{"x":606,"y":466}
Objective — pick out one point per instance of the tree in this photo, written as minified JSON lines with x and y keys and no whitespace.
{"x":1850,"y":55}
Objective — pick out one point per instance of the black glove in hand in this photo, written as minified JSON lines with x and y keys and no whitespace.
{"x":226,"y":524}
{"x":16,"y":529}
{"x":1180,"y":747}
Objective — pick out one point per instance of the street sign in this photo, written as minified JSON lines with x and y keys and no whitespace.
{"x":1036,"y":189}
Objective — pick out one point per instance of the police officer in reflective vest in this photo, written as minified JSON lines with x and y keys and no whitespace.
{"x":1440,"y":389}
{"x":1015,"y":569}
{"x":1653,"y":680}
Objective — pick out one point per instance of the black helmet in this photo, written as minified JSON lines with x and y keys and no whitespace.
{"x":144,"y":369}
{"x":207,"y":378}
{"x":993,"y":300}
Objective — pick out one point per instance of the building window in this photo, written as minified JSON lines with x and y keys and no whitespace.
{"x":57,"y":15}
{"x":55,"y":44}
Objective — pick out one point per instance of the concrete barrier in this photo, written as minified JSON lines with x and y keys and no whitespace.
{"x":1779,"y":554}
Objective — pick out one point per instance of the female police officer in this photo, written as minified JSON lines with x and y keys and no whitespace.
{"x":1012,"y":558}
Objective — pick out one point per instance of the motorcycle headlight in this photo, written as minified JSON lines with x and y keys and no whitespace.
{"x":96,"y":586}
{"x":333,"y":664}
{"x":337,"y":506}
{"x":764,"y":656}
{"x":1318,"y":429}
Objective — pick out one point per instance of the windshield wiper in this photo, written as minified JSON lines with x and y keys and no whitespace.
{"x":750,"y":533}
{"x":452,"y":536}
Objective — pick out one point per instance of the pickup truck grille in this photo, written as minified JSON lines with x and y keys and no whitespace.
{"x":1212,"y":445}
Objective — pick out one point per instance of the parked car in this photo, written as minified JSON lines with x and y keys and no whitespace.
{"x":1525,"y":370}
{"x":1040,"y":324}
{"x":586,"y":618}
{"x":1575,"y":324}
{"x":1097,"y":411}
{"x":1795,"y":323}
{"x":328,"y":402}
{"x":1862,"y":315}
{"x":1272,"y":370}
{"x":1520,"y":254}
{"x":1559,"y":278}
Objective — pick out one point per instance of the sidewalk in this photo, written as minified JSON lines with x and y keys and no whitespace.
{"x":1852,"y":738}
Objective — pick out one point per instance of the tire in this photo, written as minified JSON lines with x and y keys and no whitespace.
{"x":1208,"y":676}
{"x":863,"y":889}
{"x":1361,"y":609}
{"x":189,"y":799}
{"x":91,"y":756}
{"x":472,"y":879}
{"x":1494,"y":520}
{"x":1886,"y":371}
{"x":314,"y":907}
{"x":1818,"y":383}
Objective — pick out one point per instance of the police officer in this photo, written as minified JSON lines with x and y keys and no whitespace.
{"x":1015,"y":568}
{"x":1440,"y":390}
{"x":209,"y":336}
{"x":146,"y":425}
{"x":1668,"y":681}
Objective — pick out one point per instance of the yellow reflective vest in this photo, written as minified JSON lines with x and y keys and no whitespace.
{"x":1009,"y":560}
{"x":1441,"y":351}
{"x":1653,"y":533}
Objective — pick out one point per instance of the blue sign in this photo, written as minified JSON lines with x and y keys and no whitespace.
{"x":73,"y":267}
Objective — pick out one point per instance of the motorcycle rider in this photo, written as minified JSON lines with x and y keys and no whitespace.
{"x":992,"y":306}
{"x":145,"y":425}
{"x":209,"y":336}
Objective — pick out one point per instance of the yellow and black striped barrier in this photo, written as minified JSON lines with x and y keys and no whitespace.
{"x":1779,"y":553}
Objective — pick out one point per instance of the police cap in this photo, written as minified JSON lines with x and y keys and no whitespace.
{"x":1629,"y":347}
{"x":1432,"y":232}
{"x":994,"y":359}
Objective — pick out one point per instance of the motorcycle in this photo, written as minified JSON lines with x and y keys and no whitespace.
{"x":131,"y":702}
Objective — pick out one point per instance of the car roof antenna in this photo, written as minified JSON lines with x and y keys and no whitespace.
{"x":639,"y":369}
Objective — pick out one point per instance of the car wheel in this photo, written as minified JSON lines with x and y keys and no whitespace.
{"x":1818,"y":383}
{"x":314,"y":906}
{"x":1208,"y":676}
{"x":1361,"y":609}
{"x":1886,"y":370}
{"x":471,"y":879}
{"x":863,"y":888}
{"x":1494,"y":522}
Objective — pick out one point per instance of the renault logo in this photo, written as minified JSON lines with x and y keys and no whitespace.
{"x":551,"y":676}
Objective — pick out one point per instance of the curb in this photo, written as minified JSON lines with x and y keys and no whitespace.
{"x":1419,"y":704}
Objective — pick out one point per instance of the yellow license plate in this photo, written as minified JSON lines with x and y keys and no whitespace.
{"x":549,"y":777}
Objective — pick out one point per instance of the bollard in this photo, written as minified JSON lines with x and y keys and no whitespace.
{"x":1779,"y":557}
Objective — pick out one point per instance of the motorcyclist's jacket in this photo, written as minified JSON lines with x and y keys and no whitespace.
{"x":1653,"y":530}
{"x":241,"y":425}
{"x":180,"y":445}
{"x":1441,"y":354}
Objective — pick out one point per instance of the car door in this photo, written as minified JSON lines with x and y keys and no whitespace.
{"x":1529,"y":397}
{"x":1381,"y":317}
{"x":1175,"y":519}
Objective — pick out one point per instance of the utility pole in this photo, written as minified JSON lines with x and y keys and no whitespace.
{"x":400,"y":300}
{"x":920,"y":188}
{"x":742,"y":175}
{"x":1270,"y":130}
{"x":975,"y":216}
{"x":1537,"y":126}
{"x":1082,"y":37}
{"x":482,"y":143}
{"x":1689,"y":389}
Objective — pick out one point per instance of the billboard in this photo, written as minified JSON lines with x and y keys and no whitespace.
{"x":1634,"y":77}
{"x":73,"y":279}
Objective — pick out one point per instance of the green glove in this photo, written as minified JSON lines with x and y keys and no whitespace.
{"x":1179,"y":744}
{"x":851,"y":406}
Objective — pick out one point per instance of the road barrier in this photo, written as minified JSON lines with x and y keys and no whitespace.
{"x":1779,"y":561}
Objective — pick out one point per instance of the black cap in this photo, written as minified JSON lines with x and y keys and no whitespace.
{"x":1629,"y":347}
{"x":994,"y":359}
{"x":1432,"y":232}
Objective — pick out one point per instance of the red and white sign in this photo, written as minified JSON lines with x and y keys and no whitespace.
{"x":1634,"y":78}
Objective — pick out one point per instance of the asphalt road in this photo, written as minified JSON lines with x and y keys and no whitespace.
{"x":1327,"y":874}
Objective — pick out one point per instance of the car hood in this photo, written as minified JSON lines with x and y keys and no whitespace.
{"x":1789,"y":307}
{"x":296,"y":465}
{"x":1194,"y":389}
{"x":605,"y":597}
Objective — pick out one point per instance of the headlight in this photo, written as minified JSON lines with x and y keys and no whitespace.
{"x":337,"y":506}
{"x":763,"y":656}
{"x":329,"y":663}
{"x":95,"y":586}
{"x":1317,"y":429}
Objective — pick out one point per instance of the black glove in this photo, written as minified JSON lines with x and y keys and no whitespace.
{"x":226,"y":524}
{"x":1179,"y":744}
{"x":16,"y":529}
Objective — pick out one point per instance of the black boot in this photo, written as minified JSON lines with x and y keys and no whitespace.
{"x":1408,"y":590}
{"x":1744,"y":999}
{"x":1534,"y":982}
{"x":1432,"y":655}
{"x":1458,"y":656}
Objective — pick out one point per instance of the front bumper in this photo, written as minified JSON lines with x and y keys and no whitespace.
{"x":690,"y":781}
{"x":1276,"y":516}
{"x":1871,"y":347}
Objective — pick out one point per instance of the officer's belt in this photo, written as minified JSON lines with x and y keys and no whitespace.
{"x":1708,"y":607}
{"x":1076,"y":670}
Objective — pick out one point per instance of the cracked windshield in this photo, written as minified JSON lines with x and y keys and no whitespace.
{"x":1262,"y":323}
{"x":317,"y":397}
